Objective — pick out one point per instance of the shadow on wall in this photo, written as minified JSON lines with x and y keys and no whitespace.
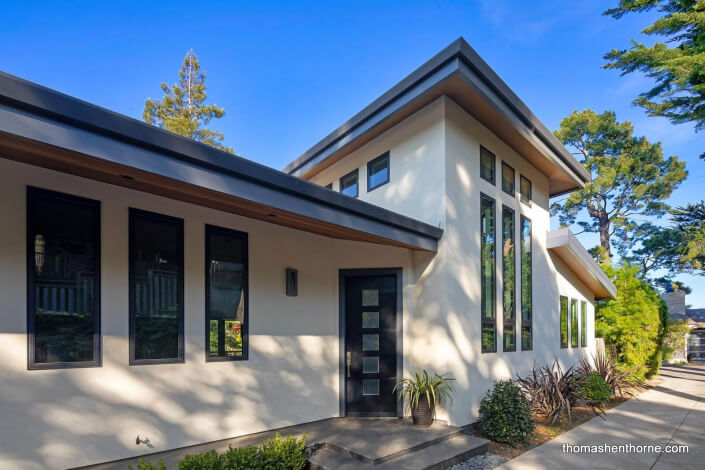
{"x":83,"y":416}
{"x":444,"y":335}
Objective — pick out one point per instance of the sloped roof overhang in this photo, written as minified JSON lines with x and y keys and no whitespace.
{"x":46,"y":128}
{"x":566,"y":246}
{"x":461,"y":74}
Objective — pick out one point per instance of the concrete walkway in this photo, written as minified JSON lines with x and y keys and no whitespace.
{"x":672,"y":412}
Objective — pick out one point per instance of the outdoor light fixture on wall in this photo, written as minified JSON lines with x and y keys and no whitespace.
{"x":292,"y":282}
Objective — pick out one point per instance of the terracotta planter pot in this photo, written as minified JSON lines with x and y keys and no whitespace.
{"x":422,"y":415}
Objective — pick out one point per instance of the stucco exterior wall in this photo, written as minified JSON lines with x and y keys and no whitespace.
{"x":71,"y":417}
{"x":442,"y":330}
{"x":417,"y":175}
{"x":448,"y":322}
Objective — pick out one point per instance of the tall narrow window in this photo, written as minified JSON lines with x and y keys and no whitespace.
{"x":527,"y":341}
{"x":507,"y":179}
{"x":348,"y":184}
{"x":378,"y":172}
{"x":63,"y":280}
{"x":488,"y":274}
{"x":574,"y":323}
{"x":583,"y":324}
{"x":525,"y":190}
{"x":564,"y":321}
{"x":487,"y":165}
{"x":226,"y":294}
{"x":508,"y":279}
{"x":156,"y":288}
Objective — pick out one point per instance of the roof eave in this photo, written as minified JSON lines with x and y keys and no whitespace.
{"x":32,"y":113}
{"x":569,"y":249}
{"x":461,"y":61}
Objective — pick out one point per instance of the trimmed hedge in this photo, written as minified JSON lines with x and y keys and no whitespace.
{"x":274,"y":454}
{"x":505,"y":413}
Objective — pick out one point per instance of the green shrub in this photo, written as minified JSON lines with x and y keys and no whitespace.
{"x":241,"y":457}
{"x":634,"y":322}
{"x":505,"y":413}
{"x":668,"y":352}
{"x":595,"y":389}
{"x":281,"y":453}
{"x":206,"y":461}
{"x":142,"y":465}
{"x":274,"y":454}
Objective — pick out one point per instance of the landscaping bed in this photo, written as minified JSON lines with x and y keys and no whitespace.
{"x":544,"y":431}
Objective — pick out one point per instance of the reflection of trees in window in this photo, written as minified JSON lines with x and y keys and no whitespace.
{"x":64,"y":311}
{"x":574,"y":323}
{"x":508,"y":279}
{"x":226,"y":292}
{"x":156,"y":287}
{"x":526,"y":284}
{"x":488,"y":274}
{"x":564,"y":322}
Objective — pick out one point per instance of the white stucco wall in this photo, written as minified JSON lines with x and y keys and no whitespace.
{"x":71,"y":417}
{"x":460,"y":322}
{"x":442,"y":331}
{"x":417,"y":175}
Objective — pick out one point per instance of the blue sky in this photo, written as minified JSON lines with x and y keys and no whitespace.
{"x":288,"y":73}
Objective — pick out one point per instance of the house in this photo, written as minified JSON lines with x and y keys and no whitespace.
{"x":694,"y":347}
{"x":158,"y":293}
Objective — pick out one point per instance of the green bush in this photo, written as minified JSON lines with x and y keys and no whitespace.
{"x":595,"y":389}
{"x":505,"y":413}
{"x":668,"y":352}
{"x":206,"y":461}
{"x":634,"y":322}
{"x":142,"y":465}
{"x":274,"y":454}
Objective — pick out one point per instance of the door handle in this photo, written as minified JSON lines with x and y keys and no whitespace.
{"x":348,"y":361}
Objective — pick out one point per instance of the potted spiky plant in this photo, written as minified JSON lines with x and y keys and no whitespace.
{"x":422,"y":392}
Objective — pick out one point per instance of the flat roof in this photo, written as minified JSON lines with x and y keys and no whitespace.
{"x":460,"y":73}
{"x":46,"y":128}
{"x":563,"y":243}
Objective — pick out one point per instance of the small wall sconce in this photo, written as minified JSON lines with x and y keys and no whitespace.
{"x":292,"y":282}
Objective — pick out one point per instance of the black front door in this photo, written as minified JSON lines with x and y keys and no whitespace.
{"x":370,"y":345}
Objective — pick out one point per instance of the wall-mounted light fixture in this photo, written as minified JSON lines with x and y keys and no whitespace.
{"x":292,"y":282}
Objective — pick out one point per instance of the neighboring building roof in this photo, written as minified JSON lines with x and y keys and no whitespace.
{"x":46,"y":128}
{"x":563,"y":243}
{"x":460,"y":73}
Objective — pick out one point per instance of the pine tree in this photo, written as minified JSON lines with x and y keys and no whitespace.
{"x":182,"y":110}
{"x":630,"y":177}
{"x":677,"y":65}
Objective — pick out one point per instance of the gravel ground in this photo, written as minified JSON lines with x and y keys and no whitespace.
{"x":480,"y":462}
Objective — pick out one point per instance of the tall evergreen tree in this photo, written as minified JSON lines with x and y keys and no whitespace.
{"x":677,"y":65}
{"x":630,"y":176}
{"x":182,"y":110}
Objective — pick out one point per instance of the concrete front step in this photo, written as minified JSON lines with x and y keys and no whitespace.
{"x":439,"y":455}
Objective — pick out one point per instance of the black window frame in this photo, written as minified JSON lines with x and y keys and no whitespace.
{"x":530,"y":321}
{"x":564,"y":339}
{"x":133,"y":213}
{"x":511,"y":321}
{"x":34,"y":192}
{"x":513,"y":188}
{"x":487,"y":320}
{"x":483,"y":151}
{"x":246,"y":284}
{"x":521,"y":194}
{"x":355,"y":172}
{"x":583,"y":323}
{"x":384,"y":156}
{"x":330,"y":186}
